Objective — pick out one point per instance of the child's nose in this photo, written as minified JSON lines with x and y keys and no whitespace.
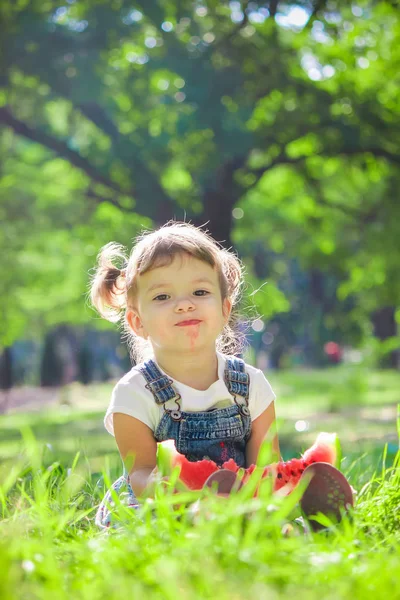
{"x":184,"y":305}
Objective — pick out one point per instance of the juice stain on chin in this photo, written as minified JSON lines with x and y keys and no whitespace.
{"x":193,"y":334}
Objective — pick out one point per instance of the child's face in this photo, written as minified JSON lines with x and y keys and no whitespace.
{"x":179,"y":307}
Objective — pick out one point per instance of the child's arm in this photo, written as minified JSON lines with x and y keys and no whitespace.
{"x":259,"y":430}
{"x":138,"y":450}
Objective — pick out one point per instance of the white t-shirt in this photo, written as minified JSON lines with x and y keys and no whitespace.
{"x":131,"y":397}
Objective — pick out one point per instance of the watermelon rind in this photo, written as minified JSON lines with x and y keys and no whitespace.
{"x":165,"y":453}
{"x":338,"y":448}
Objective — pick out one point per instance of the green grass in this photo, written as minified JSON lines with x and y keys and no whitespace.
{"x":234,"y":548}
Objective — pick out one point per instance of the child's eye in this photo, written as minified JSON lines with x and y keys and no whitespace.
{"x":161,"y":297}
{"x":201,"y":292}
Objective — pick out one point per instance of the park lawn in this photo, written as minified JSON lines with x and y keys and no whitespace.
{"x":49,"y":546}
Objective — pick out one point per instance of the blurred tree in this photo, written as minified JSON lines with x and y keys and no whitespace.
{"x":281,"y":117}
{"x":6,"y":377}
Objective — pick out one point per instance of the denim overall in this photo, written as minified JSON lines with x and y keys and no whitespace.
{"x":216,"y":434}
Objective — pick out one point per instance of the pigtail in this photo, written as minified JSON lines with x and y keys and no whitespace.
{"x":233,"y":339}
{"x":232,"y":270}
{"x":108,"y":286}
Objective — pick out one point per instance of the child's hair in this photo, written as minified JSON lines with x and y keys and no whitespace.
{"x":114,"y":283}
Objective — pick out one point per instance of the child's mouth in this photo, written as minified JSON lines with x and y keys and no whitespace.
{"x":188,"y":323}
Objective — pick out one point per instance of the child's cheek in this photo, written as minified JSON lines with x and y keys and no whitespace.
{"x":161,"y":323}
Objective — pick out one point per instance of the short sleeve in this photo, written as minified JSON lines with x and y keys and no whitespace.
{"x":129,"y":399}
{"x":261,"y":394}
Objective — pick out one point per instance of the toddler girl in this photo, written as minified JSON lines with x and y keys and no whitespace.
{"x":176,"y":295}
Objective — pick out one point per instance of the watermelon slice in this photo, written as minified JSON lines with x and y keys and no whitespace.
{"x":192,"y":474}
{"x":325,"y":449}
{"x":286,"y":474}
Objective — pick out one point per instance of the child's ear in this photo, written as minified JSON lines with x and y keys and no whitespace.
{"x":226,"y":309}
{"x":135,"y":323}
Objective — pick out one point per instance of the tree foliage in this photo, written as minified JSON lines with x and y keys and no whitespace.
{"x":276,"y":121}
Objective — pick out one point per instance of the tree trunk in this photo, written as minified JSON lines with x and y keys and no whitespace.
{"x":317,"y":286}
{"x":6,"y":372}
{"x":219,"y":200}
{"x":217,"y":217}
{"x":59,"y":358}
{"x":385,"y":326}
{"x":6,"y":377}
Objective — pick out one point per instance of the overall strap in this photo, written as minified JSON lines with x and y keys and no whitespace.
{"x":238,"y":382}
{"x":161,"y":387}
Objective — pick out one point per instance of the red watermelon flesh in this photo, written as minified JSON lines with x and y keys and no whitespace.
{"x":192,"y":474}
{"x":325,"y":449}
{"x":283,"y":472}
{"x":231,"y":465}
{"x":195,"y":474}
